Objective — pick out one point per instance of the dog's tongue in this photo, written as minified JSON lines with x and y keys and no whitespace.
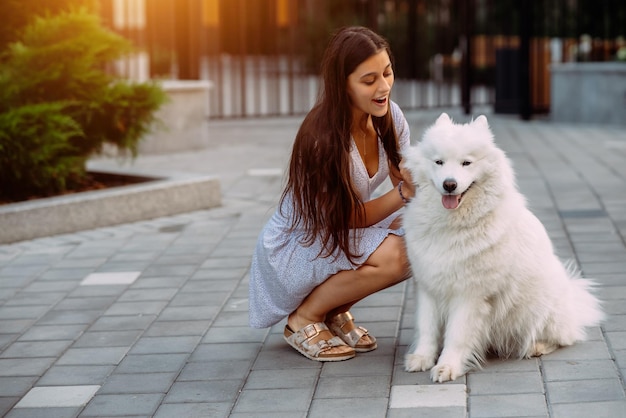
{"x":450,"y":201}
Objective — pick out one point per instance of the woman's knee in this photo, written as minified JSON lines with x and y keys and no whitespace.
{"x":393,"y":257}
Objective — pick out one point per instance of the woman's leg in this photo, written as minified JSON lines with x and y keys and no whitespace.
{"x":387,"y":266}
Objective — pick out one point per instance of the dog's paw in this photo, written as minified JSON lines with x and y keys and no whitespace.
{"x":418,"y":363}
{"x":444,"y":372}
{"x":540,"y":348}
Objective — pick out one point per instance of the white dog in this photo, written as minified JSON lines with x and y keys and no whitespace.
{"x":487,"y":276}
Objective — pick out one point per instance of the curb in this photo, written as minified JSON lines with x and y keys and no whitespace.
{"x":162,"y":196}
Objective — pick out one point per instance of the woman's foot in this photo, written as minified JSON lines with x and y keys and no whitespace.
{"x":316,"y":342}
{"x":343,"y":326}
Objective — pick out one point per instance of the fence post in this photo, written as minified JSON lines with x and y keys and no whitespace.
{"x":466,"y":65}
{"x":524,"y":68}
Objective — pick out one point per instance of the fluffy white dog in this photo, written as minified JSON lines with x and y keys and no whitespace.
{"x":488,"y":279}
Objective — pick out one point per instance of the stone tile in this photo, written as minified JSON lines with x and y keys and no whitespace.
{"x":57,"y":396}
{"x":500,"y":383}
{"x":123,"y":322}
{"x":136,"y":308}
{"x":352,"y":386}
{"x":194,"y":410}
{"x":189,"y":313}
{"x":578,"y":369}
{"x":133,"y":295}
{"x":590,"y":390}
{"x":607,"y":409}
{"x":165,"y":345}
{"x":69,"y":317}
{"x":35,"y":349}
{"x":100,"y":339}
{"x":365,"y":364}
{"x":586,"y":350}
{"x":122,"y":405}
{"x":44,"y":413}
{"x":25,"y":366}
{"x":225,"y":390}
{"x":177,"y":328}
{"x":15,"y":386}
{"x":442,"y":412}
{"x":418,"y":396}
{"x":93,"y":356}
{"x":273,"y":400}
{"x":233,"y":335}
{"x":214,"y":352}
{"x":152,"y":363}
{"x":281,"y":379}
{"x":53,"y":332}
{"x":500,"y":406}
{"x":75,"y":375}
{"x":111,"y":278}
{"x":215,"y":370}
{"x":138,"y":383}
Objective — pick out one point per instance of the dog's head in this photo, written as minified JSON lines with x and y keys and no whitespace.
{"x":456,"y":158}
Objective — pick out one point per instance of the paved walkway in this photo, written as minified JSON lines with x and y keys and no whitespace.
{"x":150,"y":319}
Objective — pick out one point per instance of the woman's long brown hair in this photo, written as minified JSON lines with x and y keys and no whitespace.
{"x":325,"y":201}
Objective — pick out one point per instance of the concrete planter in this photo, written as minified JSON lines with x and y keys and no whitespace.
{"x":593,"y":92}
{"x":184,"y":118}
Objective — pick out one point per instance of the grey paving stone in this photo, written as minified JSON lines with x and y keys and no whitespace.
{"x":212,"y":352}
{"x":15,"y":386}
{"x":159,"y":282}
{"x":122,"y":405}
{"x":152,"y":363}
{"x":124,"y":322}
{"x":87,"y":303}
{"x":282,"y":379}
{"x":225,"y":390}
{"x":500,"y":406}
{"x":69,"y":317}
{"x":586,"y":350}
{"x":188,"y":313}
{"x":235,"y":334}
{"x":273,"y":400}
{"x":22,"y":312}
{"x":215,"y":370}
{"x":232,"y":319}
{"x":578,"y":369}
{"x":194,"y":410}
{"x":504,"y":383}
{"x":75,"y":375}
{"x":165,"y":345}
{"x":133,"y":295}
{"x":30,"y":349}
{"x":34,"y":298}
{"x":352,"y":387}
{"x":365,"y":364}
{"x":136,"y":308}
{"x":609,"y":409}
{"x":199,"y":298}
{"x":590,"y":390}
{"x":93,"y":356}
{"x":53,"y":332}
{"x":119,"y":383}
{"x":107,"y":339}
{"x":43,"y":413}
{"x":439,"y":412}
{"x":25,"y":366}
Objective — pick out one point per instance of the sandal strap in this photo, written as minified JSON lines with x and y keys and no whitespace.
{"x":306,"y":334}
{"x":352,"y":337}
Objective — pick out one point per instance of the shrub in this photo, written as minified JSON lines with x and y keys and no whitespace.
{"x":58,"y":105}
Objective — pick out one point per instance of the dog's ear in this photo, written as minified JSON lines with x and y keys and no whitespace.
{"x":481,"y":121}
{"x":443,"y":118}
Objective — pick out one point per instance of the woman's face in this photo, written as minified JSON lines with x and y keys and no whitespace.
{"x":369,"y":85}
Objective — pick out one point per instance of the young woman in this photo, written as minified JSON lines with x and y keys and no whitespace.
{"x":330,"y":244}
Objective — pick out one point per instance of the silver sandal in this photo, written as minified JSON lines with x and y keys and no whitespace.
{"x":333,"y":349}
{"x":340,"y":322}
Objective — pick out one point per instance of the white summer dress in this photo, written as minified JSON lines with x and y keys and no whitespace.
{"x":284,"y":271}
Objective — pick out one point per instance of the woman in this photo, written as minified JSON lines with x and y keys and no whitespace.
{"x":330,"y":244}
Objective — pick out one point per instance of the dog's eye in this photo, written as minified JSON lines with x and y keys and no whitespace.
{"x":466,"y":163}
{"x":439,"y":162}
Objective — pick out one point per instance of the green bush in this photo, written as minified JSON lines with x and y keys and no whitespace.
{"x":59,"y":105}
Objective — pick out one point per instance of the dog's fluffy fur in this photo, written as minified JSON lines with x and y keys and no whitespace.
{"x":488,"y":279}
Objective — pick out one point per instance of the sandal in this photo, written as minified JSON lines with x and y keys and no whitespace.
{"x":333,"y":349}
{"x":342,"y":325}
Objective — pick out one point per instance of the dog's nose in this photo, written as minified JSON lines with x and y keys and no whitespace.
{"x":449,"y":185}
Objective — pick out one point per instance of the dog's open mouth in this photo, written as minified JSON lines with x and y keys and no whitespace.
{"x":452,"y":201}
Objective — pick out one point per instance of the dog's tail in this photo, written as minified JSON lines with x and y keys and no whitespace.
{"x":586,"y":307}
